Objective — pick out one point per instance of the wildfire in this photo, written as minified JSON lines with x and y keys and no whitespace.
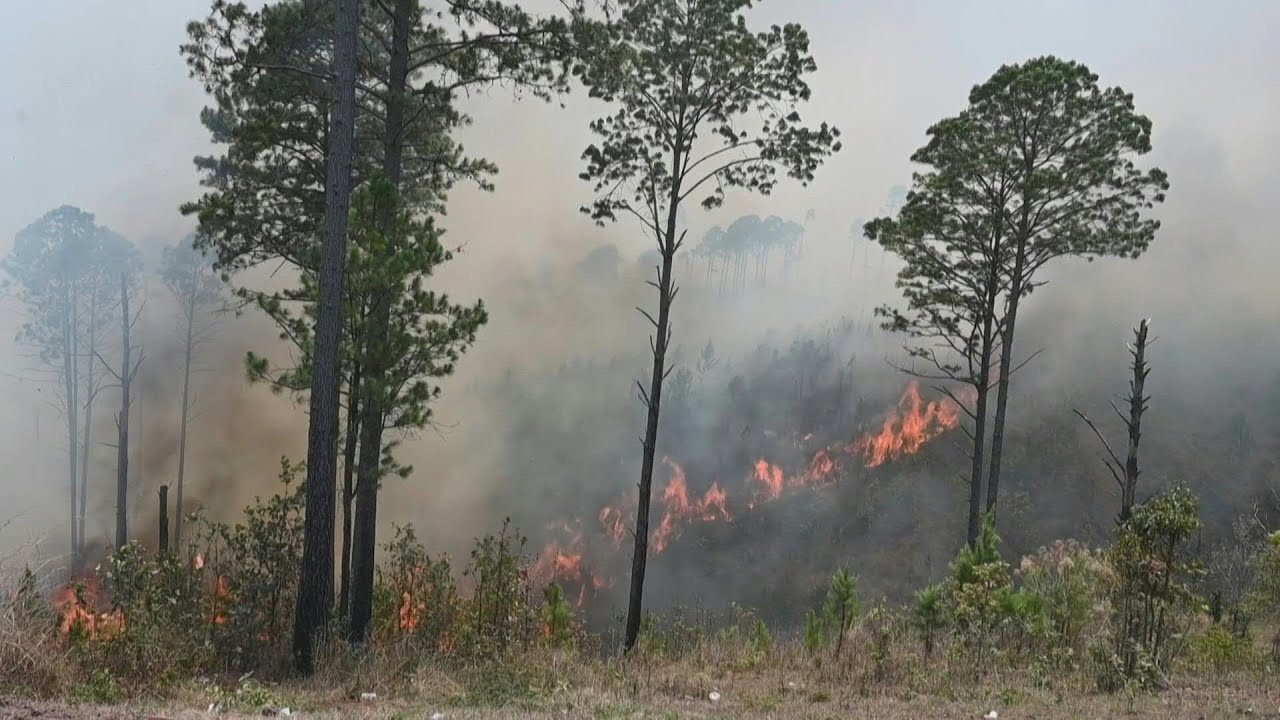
{"x":614,"y":523}
{"x":77,"y":604}
{"x":906,"y":430}
{"x":679,"y":510}
{"x":909,"y":426}
{"x":217,"y":604}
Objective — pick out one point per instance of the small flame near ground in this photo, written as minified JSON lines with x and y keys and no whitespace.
{"x":85,"y":607}
{"x":907,"y":428}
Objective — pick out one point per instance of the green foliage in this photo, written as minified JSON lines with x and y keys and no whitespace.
{"x":1265,"y":598}
{"x":1154,"y":594}
{"x":842,"y":605}
{"x":557,"y":618}
{"x":1219,"y":649}
{"x":247,"y":695}
{"x":156,"y":602}
{"x":1073,"y":584}
{"x":501,"y":616}
{"x":679,"y":74}
{"x":100,"y":688}
{"x":255,"y":563}
{"x":928,"y":615}
{"x":815,"y":632}
{"x":980,"y":587}
{"x":420,"y":598}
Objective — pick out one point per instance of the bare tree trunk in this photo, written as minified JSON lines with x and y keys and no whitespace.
{"x":186,"y":401}
{"x":1137,"y":406}
{"x":348,"y":491}
{"x":69,"y":322}
{"x":88,"y":414}
{"x":374,"y":406}
{"x":315,"y":592}
{"x":653,"y":400}
{"x":164,"y":519}
{"x":122,"y":421}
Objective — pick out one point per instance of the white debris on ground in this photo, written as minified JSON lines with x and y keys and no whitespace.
{"x":368,"y":697}
{"x":993,"y":715}
{"x":714,"y":696}
{"x":437,"y":716}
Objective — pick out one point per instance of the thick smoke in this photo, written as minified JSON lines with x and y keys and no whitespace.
{"x":541,"y":422}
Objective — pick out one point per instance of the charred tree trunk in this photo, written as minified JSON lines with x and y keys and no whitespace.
{"x":122,"y":420}
{"x":164,"y":519}
{"x":190,"y":312}
{"x":1137,"y":406}
{"x":315,"y":592}
{"x":374,"y":404}
{"x":1126,"y":472}
{"x":652,"y":400}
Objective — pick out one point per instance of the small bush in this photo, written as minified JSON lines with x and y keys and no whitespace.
{"x":557,"y":618}
{"x":253,"y":571}
{"x":1073,"y":584}
{"x":928,"y":616}
{"x":815,"y":632}
{"x":501,"y":616}
{"x":416,"y":597}
{"x":1153,"y":595}
{"x":842,"y":605}
{"x":1219,"y":649}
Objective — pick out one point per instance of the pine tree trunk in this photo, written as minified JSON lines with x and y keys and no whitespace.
{"x":661,"y":336}
{"x":122,"y":421}
{"x":374,"y":405}
{"x":69,"y":321}
{"x":186,"y":402}
{"x":88,"y":414}
{"x":1006,"y":355}
{"x":315,"y":592}
{"x":348,"y":491}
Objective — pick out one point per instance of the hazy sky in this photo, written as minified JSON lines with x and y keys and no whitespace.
{"x":96,"y":110}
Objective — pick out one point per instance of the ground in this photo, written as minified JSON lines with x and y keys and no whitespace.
{"x":1225,"y":700}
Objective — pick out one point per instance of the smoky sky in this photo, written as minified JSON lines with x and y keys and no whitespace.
{"x":96,"y":110}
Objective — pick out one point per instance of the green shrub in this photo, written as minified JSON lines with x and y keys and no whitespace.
{"x":842,"y":605}
{"x":1073,"y":584}
{"x":500,"y":616}
{"x":815,"y":632}
{"x":1153,"y":594}
{"x":1265,"y":598}
{"x":415,"y":597}
{"x":557,"y":618}
{"x":928,"y":615}
{"x":253,"y":568}
{"x":163,"y":636}
{"x":1218,"y":648}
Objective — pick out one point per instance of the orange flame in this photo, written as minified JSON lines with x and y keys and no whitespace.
{"x":907,"y":429}
{"x":911,"y":424}
{"x":712,"y":506}
{"x":614,"y":523}
{"x":77,"y":603}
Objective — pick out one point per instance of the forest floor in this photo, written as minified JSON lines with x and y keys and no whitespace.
{"x":1226,"y":699}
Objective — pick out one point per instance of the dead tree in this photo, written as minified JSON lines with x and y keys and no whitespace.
{"x":1126,"y":472}
{"x":124,"y":376}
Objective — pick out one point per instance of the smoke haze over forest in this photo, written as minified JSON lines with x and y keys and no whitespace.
{"x":540,"y":422}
